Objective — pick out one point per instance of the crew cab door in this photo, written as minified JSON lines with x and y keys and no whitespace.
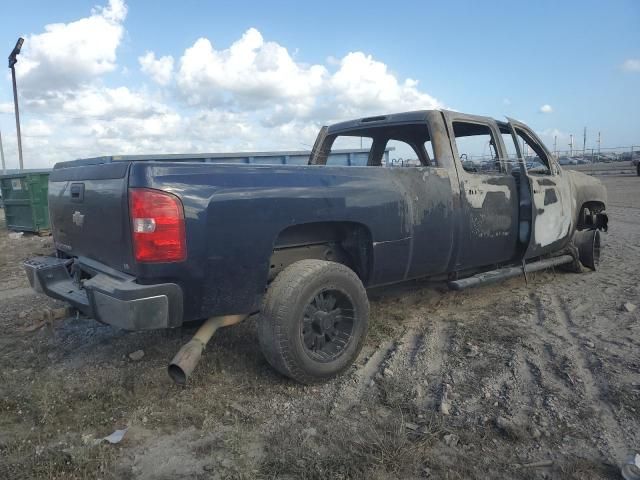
{"x":551,"y":216}
{"x":488,"y":232}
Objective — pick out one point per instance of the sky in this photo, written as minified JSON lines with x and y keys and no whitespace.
{"x":176,"y":77}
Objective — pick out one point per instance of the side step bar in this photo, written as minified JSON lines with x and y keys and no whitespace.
{"x":508,"y":272}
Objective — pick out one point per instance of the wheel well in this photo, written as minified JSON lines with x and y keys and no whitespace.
{"x":585,"y":220}
{"x":349,"y":243}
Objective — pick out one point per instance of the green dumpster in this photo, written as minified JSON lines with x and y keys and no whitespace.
{"x":24,"y":196}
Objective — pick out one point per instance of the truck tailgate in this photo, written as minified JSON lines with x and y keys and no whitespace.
{"x":89,"y":212}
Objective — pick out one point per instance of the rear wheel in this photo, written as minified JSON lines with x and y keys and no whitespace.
{"x":638,"y":168}
{"x":314,"y":320}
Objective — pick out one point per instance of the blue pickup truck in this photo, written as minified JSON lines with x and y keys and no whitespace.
{"x":152,"y":242}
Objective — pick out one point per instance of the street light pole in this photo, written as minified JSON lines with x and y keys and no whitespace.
{"x":12,"y":62}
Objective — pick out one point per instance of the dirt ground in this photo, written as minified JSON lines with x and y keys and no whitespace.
{"x":547,"y":371}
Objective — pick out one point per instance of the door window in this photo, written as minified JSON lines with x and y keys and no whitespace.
{"x":511,"y":160}
{"x":535,"y":158}
{"x":477,"y":148}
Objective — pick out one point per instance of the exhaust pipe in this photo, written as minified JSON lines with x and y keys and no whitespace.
{"x":189,"y":355}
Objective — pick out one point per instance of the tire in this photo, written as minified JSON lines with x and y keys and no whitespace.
{"x":305,"y":335}
{"x":638,"y":168}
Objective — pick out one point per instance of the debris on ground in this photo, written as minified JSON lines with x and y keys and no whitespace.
{"x":540,"y":464}
{"x":116,"y":437}
{"x":15,"y":235}
{"x":137,"y":355}
{"x":631,"y":467}
{"x":445,"y":406}
{"x":629,"y":307}
{"x":451,"y":439}
{"x":472,"y":350}
{"x":411,"y":426}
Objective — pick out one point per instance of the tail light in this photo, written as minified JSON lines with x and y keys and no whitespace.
{"x":157,"y":221}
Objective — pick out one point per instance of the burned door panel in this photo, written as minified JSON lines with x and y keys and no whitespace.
{"x":552,"y":199}
{"x":488,"y":194}
{"x":490,"y":205}
{"x":553,"y":220}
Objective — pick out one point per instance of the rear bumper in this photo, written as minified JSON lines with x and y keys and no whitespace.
{"x":108,"y":296}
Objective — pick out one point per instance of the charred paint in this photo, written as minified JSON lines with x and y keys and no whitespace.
{"x":550,"y":196}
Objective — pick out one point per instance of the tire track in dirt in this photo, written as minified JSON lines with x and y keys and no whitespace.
{"x":350,"y":392}
{"x":402,"y":357}
{"x":537,"y":303}
{"x":546,"y":358}
{"x":592,"y":393}
{"x":418,"y":355}
{"x":430,"y":362}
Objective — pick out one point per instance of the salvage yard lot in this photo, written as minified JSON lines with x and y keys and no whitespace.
{"x":547,"y":371}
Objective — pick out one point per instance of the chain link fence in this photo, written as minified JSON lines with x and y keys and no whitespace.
{"x":599,"y":155}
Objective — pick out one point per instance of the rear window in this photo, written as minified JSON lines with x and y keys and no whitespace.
{"x":349,"y":150}
{"x":388,"y":146}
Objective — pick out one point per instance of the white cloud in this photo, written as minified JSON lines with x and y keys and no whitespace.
{"x":36,"y":128}
{"x":160,"y":70}
{"x":546,"y":108}
{"x":6,"y":107}
{"x":254,"y":74}
{"x":253,"y":95}
{"x":363,"y":84}
{"x":249,"y":73}
{"x":631,"y":65}
{"x":66,"y":55}
{"x":109,"y":103}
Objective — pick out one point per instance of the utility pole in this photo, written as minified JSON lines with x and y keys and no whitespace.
{"x":555,"y":145}
{"x":4,"y":167}
{"x":571,"y":145}
{"x":598,"y":146}
{"x":584,"y":141}
{"x":12,"y":62}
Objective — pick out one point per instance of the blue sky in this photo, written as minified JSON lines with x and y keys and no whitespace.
{"x":301,"y":65}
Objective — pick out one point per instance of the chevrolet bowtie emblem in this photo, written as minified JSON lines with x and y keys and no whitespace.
{"x":77,"y":218}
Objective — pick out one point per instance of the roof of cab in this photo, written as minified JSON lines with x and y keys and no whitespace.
{"x":398,"y":118}
{"x":379,"y":120}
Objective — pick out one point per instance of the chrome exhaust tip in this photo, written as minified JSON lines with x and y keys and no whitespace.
{"x":185,"y":361}
{"x":188,"y":357}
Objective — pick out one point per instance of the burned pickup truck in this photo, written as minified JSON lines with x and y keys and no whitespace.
{"x":152,"y":242}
